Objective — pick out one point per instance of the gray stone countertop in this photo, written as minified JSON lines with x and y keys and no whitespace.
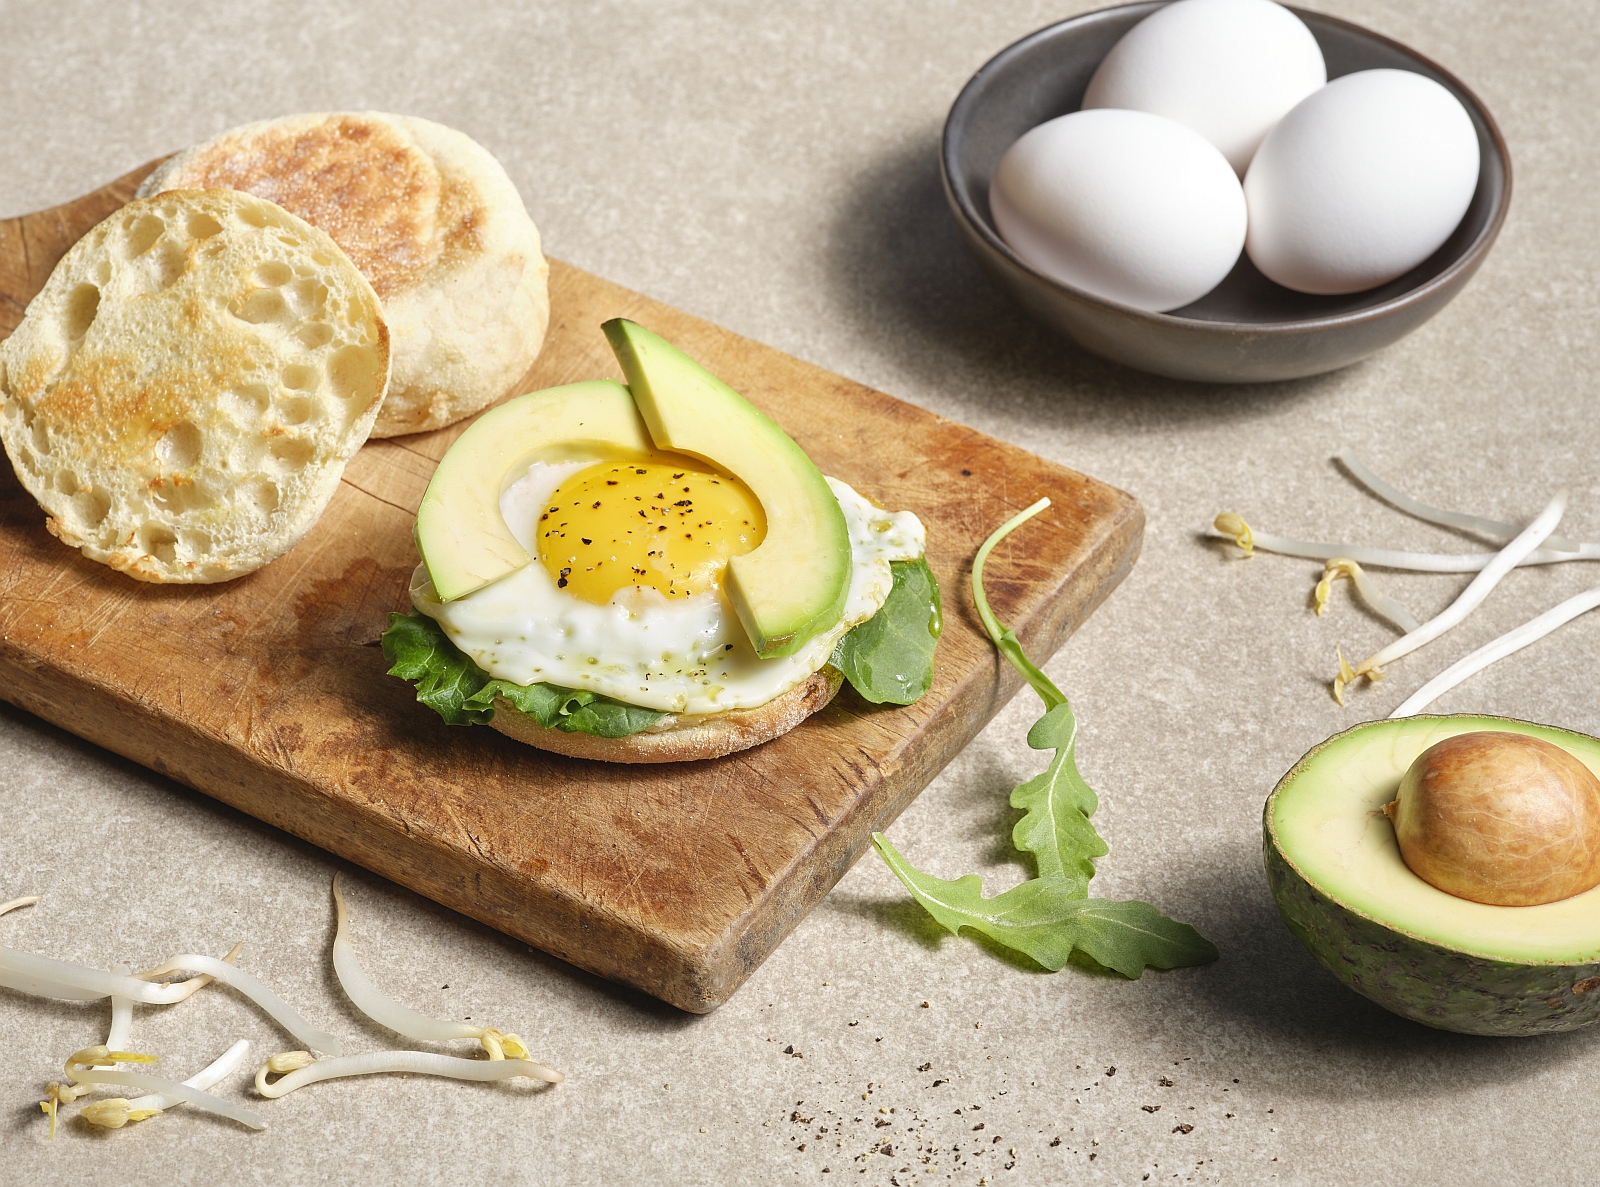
{"x":774,"y":168}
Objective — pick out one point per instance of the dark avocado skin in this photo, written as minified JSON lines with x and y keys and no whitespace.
{"x":1426,"y":982}
{"x":1419,"y":979}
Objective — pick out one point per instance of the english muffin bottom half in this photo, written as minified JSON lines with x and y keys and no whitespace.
{"x":183,"y":394}
{"x":430,"y":218}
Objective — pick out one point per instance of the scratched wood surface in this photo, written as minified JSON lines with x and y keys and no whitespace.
{"x":269,"y":692}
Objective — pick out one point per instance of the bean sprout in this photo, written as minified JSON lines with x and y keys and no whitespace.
{"x":1236,"y":529}
{"x":1492,"y":528}
{"x":385,"y":1011}
{"x":98,"y":1058}
{"x":112,"y":1113}
{"x":279,"y":1010}
{"x":121,"y":1014}
{"x":44,"y":976}
{"x":1506,"y":644}
{"x":1380,"y":602}
{"x":302,"y":1070}
{"x":32,"y":983}
{"x":194,"y":981}
{"x":167,"y":1088}
{"x":116,"y":1112}
{"x":1469,"y":600}
{"x":93,"y":1066}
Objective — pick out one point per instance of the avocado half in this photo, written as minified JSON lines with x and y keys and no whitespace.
{"x":1447,"y":962}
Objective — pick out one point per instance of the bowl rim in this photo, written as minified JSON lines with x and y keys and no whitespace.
{"x":1456,"y":272}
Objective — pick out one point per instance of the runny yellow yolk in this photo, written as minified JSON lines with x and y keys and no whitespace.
{"x":667,"y":522}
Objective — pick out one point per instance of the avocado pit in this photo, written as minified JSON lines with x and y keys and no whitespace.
{"x":1500,"y":818}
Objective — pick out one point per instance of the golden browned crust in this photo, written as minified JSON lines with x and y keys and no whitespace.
{"x":432,"y":221}
{"x":185,"y":391}
{"x":682,"y":739}
{"x":374,"y":192}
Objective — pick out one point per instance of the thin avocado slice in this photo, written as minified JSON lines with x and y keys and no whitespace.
{"x":460,"y":532}
{"x":1345,"y":892}
{"x":792,"y":586}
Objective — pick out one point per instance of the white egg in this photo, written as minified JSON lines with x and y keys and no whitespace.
{"x":1361,"y":182}
{"x":687,"y":656}
{"x":1229,"y":69}
{"x":1125,"y":205}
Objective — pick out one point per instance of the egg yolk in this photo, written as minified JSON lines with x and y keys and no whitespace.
{"x":666,"y":522}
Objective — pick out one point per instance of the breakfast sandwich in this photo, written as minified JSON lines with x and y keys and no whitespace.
{"x":430,"y":218}
{"x":184,"y":392}
{"x":654,"y":572}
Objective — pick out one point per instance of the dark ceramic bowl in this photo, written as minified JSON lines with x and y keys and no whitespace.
{"x":1247,"y":329}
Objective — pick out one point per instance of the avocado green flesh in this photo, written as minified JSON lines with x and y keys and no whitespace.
{"x":1345,"y":892}
{"x":793,"y":585}
{"x":463,"y":538}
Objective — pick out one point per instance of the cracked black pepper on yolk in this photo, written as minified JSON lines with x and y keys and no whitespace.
{"x":667,"y":523}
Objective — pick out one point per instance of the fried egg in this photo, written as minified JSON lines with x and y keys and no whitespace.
{"x":624,"y":595}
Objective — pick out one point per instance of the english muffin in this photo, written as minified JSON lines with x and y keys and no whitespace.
{"x":681,"y":738}
{"x":184,"y":393}
{"x":430,"y":218}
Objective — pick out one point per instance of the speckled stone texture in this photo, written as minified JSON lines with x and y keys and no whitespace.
{"x":774,"y":168}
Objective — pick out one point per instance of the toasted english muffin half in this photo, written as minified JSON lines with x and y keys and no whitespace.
{"x":430,"y":218}
{"x":182,"y":395}
{"x":685,"y":738}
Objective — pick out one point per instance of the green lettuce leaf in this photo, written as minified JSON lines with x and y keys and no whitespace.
{"x":889,"y":658}
{"x":572,"y":710}
{"x":446,"y":680}
{"x":1051,"y":914}
{"x":462,"y":693}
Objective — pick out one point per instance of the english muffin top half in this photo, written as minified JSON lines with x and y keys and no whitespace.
{"x":183,"y":394}
{"x":433,"y":222}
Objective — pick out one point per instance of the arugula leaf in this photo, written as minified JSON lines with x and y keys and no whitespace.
{"x":462,"y":693}
{"x":1051,"y":914}
{"x":1045,"y":920}
{"x":889,"y":658}
{"x":1056,"y":829}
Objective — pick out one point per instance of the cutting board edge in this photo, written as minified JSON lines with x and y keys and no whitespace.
{"x":696,"y":976}
{"x":372,"y":839}
{"x":754,"y":934}
{"x":694,"y":979}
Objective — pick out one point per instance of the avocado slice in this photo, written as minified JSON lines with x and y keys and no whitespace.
{"x":464,"y":541}
{"x":1447,"y":962}
{"x":792,"y":586}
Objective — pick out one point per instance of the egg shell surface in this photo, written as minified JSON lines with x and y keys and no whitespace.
{"x":1229,"y":69}
{"x":1125,"y":205}
{"x":686,"y":655}
{"x":1360,"y":183}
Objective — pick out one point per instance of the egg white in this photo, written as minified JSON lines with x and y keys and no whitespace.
{"x":686,"y":656}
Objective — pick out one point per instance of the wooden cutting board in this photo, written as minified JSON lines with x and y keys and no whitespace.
{"x":269,"y":692}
